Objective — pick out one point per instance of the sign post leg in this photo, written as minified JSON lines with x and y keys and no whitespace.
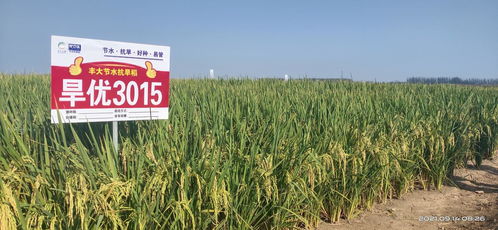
{"x":115,"y":135}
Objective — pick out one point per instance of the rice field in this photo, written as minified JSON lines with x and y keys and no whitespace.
{"x":237,"y":154}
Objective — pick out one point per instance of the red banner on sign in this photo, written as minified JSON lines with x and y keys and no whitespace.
{"x":108,"y":85}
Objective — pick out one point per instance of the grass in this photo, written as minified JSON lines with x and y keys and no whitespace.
{"x":236,"y":154}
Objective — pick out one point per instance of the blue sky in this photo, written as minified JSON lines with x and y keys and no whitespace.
{"x":372,"y":40}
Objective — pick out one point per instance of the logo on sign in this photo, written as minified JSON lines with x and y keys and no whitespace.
{"x":61,"y":48}
{"x":61,"y":45}
{"x":74,"y":48}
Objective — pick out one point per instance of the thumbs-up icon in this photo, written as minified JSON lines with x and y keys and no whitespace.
{"x":75,"y":69}
{"x":151,"y":72}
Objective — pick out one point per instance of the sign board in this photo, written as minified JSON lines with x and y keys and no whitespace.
{"x":96,"y":80}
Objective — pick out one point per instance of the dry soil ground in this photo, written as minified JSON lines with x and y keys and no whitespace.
{"x":475,"y":195}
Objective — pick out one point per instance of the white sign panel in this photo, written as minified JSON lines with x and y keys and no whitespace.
{"x":97,"y":80}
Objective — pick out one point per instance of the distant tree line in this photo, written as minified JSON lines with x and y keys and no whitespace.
{"x":452,"y":80}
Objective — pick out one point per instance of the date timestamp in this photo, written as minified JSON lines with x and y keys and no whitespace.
{"x":451,"y":218}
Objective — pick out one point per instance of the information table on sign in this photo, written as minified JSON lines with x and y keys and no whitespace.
{"x":96,"y":80}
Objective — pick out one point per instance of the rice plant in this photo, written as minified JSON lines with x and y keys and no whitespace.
{"x":237,"y":154}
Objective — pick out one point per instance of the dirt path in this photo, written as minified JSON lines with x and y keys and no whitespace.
{"x":476,"y":196}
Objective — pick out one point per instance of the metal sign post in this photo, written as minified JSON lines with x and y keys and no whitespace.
{"x":115,"y":135}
